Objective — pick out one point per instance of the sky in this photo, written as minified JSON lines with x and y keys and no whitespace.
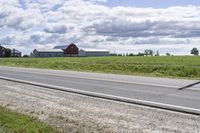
{"x":117,"y":25}
{"x":151,"y":3}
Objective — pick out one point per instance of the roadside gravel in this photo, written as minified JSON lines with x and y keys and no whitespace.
{"x":76,"y":113}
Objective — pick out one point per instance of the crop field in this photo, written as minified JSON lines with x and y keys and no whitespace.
{"x":161,"y":66}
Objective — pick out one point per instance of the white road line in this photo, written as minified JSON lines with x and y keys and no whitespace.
{"x":112,"y":97}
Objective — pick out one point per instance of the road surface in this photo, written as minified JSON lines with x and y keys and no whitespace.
{"x":184,"y":93}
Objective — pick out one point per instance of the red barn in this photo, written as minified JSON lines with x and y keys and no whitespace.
{"x":69,"y":50}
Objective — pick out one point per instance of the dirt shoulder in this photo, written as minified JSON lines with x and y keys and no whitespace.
{"x":75,"y":113}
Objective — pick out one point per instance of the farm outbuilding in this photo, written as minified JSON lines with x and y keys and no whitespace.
{"x":5,"y":52}
{"x":16,"y":53}
{"x":70,"y":50}
{"x":47,"y":53}
{"x":93,"y":52}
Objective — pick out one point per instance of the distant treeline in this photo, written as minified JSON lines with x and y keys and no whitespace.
{"x":149,"y":52}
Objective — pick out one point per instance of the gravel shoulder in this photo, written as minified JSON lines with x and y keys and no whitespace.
{"x":76,"y":113}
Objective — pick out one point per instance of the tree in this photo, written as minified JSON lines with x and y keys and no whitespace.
{"x":140,"y":54}
{"x":131,"y":54}
{"x":151,"y":52}
{"x":113,"y":54}
{"x":157,"y":53}
{"x":26,"y":56}
{"x":195,"y":51}
{"x":168,"y":54}
{"x":148,"y":52}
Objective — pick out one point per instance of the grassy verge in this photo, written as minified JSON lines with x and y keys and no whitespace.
{"x":175,"y":66}
{"x":12,"y":122}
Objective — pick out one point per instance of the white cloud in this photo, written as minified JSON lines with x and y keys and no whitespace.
{"x":35,"y":23}
{"x":56,"y":28}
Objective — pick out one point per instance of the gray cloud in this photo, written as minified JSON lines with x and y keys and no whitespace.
{"x":121,"y":28}
{"x":56,"y":29}
{"x":43,"y":38}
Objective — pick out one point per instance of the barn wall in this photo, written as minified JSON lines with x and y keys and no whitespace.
{"x":71,"y":50}
{"x":96,"y":53}
{"x":50,"y":54}
{"x":46,"y":54}
{"x":83,"y":53}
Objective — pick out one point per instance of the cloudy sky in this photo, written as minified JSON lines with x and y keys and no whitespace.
{"x":117,"y":25}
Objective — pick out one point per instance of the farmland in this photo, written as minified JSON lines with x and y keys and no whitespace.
{"x":173,"y":66}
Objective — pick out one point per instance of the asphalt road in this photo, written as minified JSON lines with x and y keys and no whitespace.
{"x":184,"y":93}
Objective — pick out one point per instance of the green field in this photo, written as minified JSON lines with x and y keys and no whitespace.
{"x":12,"y":122}
{"x":161,"y":66}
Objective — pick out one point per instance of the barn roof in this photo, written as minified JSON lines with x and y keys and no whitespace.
{"x":49,"y":50}
{"x":94,"y":50}
{"x":62,"y":46}
{"x":2,"y":47}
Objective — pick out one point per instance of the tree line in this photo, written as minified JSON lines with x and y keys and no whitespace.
{"x":149,"y":52}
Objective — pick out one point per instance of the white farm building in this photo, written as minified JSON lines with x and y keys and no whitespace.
{"x":93,"y":52}
{"x":47,"y":53}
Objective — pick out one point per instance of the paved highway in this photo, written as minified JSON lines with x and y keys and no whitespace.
{"x":184,"y":93}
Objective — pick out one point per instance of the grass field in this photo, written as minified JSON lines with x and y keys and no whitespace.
{"x":12,"y":122}
{"x":162,"y":66}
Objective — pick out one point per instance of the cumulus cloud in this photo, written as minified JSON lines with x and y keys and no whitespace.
{"x":56,"y":28}
{"x":35,"y":23}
